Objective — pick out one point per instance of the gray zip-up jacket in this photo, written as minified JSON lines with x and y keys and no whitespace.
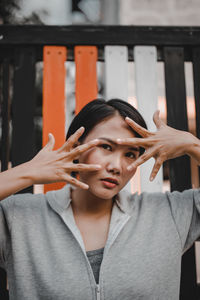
{"x":42,"y":250}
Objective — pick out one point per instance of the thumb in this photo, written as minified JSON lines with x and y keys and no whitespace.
{"x":156,"y":118}
{"x":51,"y":142}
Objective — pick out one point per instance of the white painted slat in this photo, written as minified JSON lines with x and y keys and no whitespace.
{"x":116,"y":72}
{"x":116,"y":76}
{"x":197,"y":258}
{"x":145,"y":58}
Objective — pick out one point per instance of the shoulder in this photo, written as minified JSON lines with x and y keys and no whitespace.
{"x":170,"y":200}
{"x":151,"y":201}
{"x":130,"y":200}
{"x":24,"y":201}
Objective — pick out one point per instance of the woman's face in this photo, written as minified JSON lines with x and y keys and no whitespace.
{"x":113,"y":158}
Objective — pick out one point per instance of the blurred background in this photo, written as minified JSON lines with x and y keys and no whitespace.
{"x":108,"y":12}
{"x":123,"y":12}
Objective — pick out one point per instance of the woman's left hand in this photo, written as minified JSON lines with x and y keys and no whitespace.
{"x":164,"y":144}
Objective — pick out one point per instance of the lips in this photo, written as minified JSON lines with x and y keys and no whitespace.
{"x":110,"y":182}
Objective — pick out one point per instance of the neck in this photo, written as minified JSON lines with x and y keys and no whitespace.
{"x":85,"y":203}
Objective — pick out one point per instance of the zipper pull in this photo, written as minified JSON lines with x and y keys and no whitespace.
{"x":98,"y":292}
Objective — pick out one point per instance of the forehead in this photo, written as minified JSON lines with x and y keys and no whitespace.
{"x":114,"y":127}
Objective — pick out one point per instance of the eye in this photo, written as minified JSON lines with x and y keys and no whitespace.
{"x":131,"y":155}
{"x":106,"y":147}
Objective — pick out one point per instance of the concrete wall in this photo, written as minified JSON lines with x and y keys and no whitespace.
{"x":160,"y":12}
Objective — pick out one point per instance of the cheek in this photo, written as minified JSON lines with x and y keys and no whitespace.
{"x":133,"y":172}
{"x":127,"y":174}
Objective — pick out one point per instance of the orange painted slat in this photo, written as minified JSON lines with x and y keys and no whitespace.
{"x":86,"y":75}
{"x":54,"y":75}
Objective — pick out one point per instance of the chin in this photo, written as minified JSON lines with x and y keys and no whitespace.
{"x":103,"y":193}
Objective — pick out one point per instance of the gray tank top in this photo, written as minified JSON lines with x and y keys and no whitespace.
{"x":95,"y":258}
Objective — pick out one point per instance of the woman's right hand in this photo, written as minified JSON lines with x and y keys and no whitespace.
{"x":50,"y":165}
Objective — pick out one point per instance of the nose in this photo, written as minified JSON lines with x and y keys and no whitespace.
{"x":114,"y":164}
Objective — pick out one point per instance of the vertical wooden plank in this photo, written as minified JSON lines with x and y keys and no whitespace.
{"x":5,"y":120}
{"x":116,"y":76}
{"x":180,"y":175}
{"x":197,"y":252}
{"x":86,"y":75}
{"x":116,"y":72}
{"x":23,"y":106}
{"x":177,"y":113}
{"x":135,"y":183}
{"x":54,"y":99}
{"x":145,"y":58}
{"x":196,"y":78}
{"x":5,"y":114}
{"x":3,"y":285}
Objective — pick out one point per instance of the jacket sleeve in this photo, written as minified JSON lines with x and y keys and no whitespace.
{"x":6,"y":216}
{"x":185,"y":209}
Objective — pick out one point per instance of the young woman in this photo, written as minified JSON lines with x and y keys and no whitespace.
{"x":94,"y":241}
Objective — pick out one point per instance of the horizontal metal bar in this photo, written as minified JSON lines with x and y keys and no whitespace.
{"x":7,"y":52}
{"x":99,"y":35}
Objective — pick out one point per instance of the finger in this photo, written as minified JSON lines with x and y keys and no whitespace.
{"x":75,"y":182}
{"x":82,"y":167}
{"x":156,"y":168}
{"x":136,"y":142}
{"x":136,"y":127}
{"x":51,"y":142}
{"x":82,"y":148}
{"x":142,"y":159}
{"x":72,"y":140}
{"x":158,"y":122}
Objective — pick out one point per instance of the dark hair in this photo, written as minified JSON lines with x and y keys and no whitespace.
{"x":98,"y":110}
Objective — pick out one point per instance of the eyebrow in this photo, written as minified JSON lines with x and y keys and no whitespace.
{"x":112,"y":142}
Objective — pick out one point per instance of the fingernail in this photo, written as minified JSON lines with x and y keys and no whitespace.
{"x":151,"y":178}
{"x":119,"y":140}
{"x":130,"y":168}
{"x":98,"y":167}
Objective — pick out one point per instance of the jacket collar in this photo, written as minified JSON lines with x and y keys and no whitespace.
{"x":60,"y":200}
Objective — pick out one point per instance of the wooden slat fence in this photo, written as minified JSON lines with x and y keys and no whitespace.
{"x":22,"y":46}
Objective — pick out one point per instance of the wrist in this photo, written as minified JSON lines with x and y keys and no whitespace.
{"x":193,"y":145}
{"x":25,"y":173}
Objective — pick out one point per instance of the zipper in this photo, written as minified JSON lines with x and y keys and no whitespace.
{"x":98,"y":291}
{"x":68,"y":219}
